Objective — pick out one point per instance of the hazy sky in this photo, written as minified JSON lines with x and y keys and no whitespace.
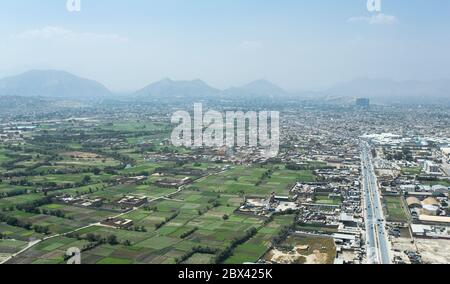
{"x":297,"y":44}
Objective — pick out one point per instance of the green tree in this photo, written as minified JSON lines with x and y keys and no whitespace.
{"x":112,"y":240}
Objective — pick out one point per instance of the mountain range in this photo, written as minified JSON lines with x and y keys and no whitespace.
{"x":51,"y":83}
{"x":167,"y":88}
{"x":61,"y":84}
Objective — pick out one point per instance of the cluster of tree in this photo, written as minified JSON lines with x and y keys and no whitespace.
{"x":179,"y":171}
{"x":73,"y":170}
{"x":374,"y":153}
{"x":138,"y":229}
{"x":282,"y":235}
{"x":14,"y":148}
{"x":194,"y":250}
{"x":28,"y":171}
{"x":86,"y":180}
{"x":427,"y":178}
{"x":45,"y":230}
{"x":11,"y":208}
{"x":94,"y":238}
{"x":222,"y":255}
{"x":141,"y":173}
{"x":307,"y":166}
{"x":13,"y":160}
{"x":46,"y":186}
{"x":55,"y":140}
{"x":167,"y":150}
{"x":145,"y":148}
{"x":32,"y":206}
{"x":15,"y":192}
{"x":52,"y":186}
{"x":15,"y":222}
{"x":95,"y":241}
{"x":268,"y":220}
{"x":57,"y":213}
{"x":21,"y":182}
{"x":405,"y":154}
{"x":41,"y":151}
{"x":124,"y":159}
{"x":112,"y":170}
{"x":167,"y":220}
{"x":214,"y":204}
{"x":266,"y":175}
{"x":271,"y":161}
{"x":188,"y":233}
{"x":288,"y":211}
{"x":151,"y":208}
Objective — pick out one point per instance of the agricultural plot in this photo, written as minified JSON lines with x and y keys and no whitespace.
{"x":146,"y":167}
{"x":412,"y":171}
{"x":247,"y":180}
{"x":56,"y":225}
{"x":69,"y":178}
{"x":437,"y":182}
{"x":394,"y":208}
{"x":8,"y":247}
{"x":6,"y":189}
{"x":318,"y":229}
{"x":90,"y":162}
{"x":167,"y":243}
{"x":255,"y":248}
{"x":51,"y":251}
{"x":134,"y":126}
{"x":3,"y":157}
{"x":17,"y":233}
{"x":85,"y":159}
{"x":82,"y":190}
{"x":326,"y":200}
{"x":83,"y":215}
{"x":20,"y":199}
{"x":200,"y":258}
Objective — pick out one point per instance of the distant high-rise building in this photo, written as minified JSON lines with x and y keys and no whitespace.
{"x":363,"y":102}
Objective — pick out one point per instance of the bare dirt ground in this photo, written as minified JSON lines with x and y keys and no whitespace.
{"x":298,"y":255}
{"x":434,"y":251}
{"x":81,"y":155}
{"x":400,"y":245}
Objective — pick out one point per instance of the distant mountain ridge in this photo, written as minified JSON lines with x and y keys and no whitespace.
{"x":256,"y":89}
{"x":63,"y":85}
{"x":198,"y":89}
{"x":51,"y":83}
{"x":168,"y":88}
{"x":390,"y":91}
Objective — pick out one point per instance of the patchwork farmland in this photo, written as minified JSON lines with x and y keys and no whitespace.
{"x":59,"y":195}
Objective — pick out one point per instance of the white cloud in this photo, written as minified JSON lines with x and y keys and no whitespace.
{"x":251,"y":45}
{"x":51,"y":32}
{"x":379,"y":19}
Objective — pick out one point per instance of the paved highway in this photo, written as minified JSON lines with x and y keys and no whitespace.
{"x":376,"y":239}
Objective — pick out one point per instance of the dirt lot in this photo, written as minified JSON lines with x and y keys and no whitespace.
{"x":304,"y":250}
{"x":298,"y":255}
{"x":400,"y":245}
{"x":82,"y":155}
{"x":434,"y":251}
